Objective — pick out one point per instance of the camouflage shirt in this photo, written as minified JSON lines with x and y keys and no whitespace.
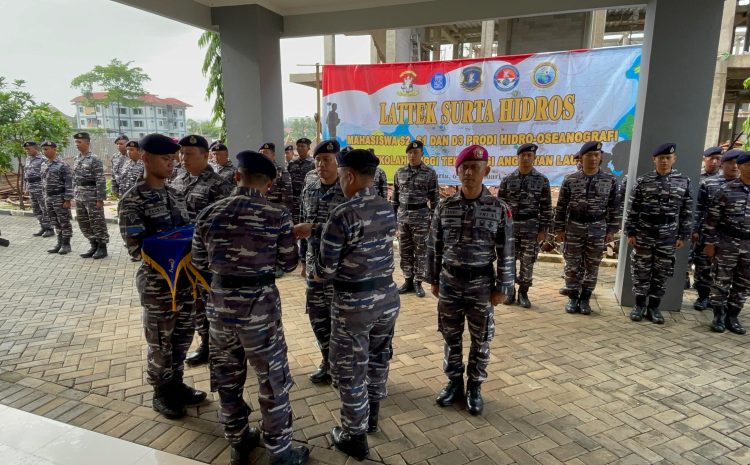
{"x":528,"y":196}
{"x":58,"y":179}
{"x":88,"y":176}
{"x":130,"y":173}
{"x":729,"y":212}
{"x":660,"y":205}
{"x":118,"y":159}
{"x":588,"y":199}
{"x":381,"y":182}
{"x":203,"y":190}
{"x":706,"y":192}
{"x":318,"y":200}
{"x":281,"y":191}
{"x":32,"y":173}
{"x":472,"y":233}
{"x":415,"y":186}
{"x":226,"y":171}
{"x":298,"y":169}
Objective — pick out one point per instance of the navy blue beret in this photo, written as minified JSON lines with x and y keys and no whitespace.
{"x":731,"y":155}
{"x":288,"y":148}
{"x":256,"y":163}
{"x":304,"y":140}
{"x":743,"y":158}
{"x":711,"y":151}
{"x":327,"y":146}
{"x":527,"y":148}
{"x":29,"y":143}
{"x":268,"y":146}
{"x":590,"y":147}
{"x":82,"y":135}
{"x":158,"y":144}
{"x":356,"y":159}
{"x":48,"y":143}
{"x":218,"y":147}
{"x":134,"y":144}
{"x":348,"y":148}
{"x":415,"y":144}
{"x":122,"y":137}
{"x":194,"y":140}
{"x":664,"y":149}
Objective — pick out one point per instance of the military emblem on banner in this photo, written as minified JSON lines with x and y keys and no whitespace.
{"x":471,"y":78}
{"x":544,"y":75}
{"x":506,"y":78}
{"x":439,"y":83}
{"x":407,"y":84}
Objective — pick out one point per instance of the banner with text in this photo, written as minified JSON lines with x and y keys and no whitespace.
{"x":556,"y":100}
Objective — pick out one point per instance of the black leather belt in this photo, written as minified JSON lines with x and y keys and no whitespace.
{"x":585,"y":217}
{"x":735,"y":233}
{"x":415,"y":206}
{"x":87,"y":183}
{"x":525,"y":216}
{"x":471,"y":272}
{"x":658,"y":220}
{"x":233,"y":282}
{"x":33,"y":179}
{"x":52,"y":193}
{"x":368,"y":285}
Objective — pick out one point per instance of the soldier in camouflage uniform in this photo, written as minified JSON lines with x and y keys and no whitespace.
{"x":149,"y":208}
{"x":177,"y":172}
{"x":356,"y":254}
{"x":58,"y":191}
{"x":711,"y":162}
{"x":318,"y":199}
{"x":527,"y":193}
{"x":246,"y":309}
{"x":470,"y":231}
{"x":34,"y":187}
{"x":221,"y":163}
{"x":726,"y":232}
{"x":281,"y":191}
{"x":414,"y":185}
{"x":131,"y":171}
{"x":90,"y":192}
{"x":708,"y":189}
{"x":200,"y":186}
{"x":118,"y":159}
{"x":298,"y":169}
{"x":587,"y":215}
{"x":657,"y":223}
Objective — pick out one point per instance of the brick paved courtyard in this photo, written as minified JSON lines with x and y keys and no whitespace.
{"x":562,"y":388}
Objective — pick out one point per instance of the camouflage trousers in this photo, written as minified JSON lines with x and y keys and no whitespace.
{"x":702,"y":271}
{"x":583,"y":249}
{"x":91,"y":221}
{"x":652,"y":264}
{"x":731,"y":273}
{"x":262,"y":344}
{"x":319,"y":299}
{"x":527,"y":250}
{"x":412,"y":239}
{"x":59,"y":216}
{"x":463,"y":301}
{"x":200,"y":320}
{"x":361,"y":332}
{"x":39,"y":207}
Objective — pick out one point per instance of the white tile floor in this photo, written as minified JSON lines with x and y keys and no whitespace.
{"x":28,"y":439}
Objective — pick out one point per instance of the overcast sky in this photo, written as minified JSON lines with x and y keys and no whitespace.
{"x":49,"y":42}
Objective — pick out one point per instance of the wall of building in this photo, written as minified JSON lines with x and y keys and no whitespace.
{"x":136,"y":121}
{"x":549,"y":33}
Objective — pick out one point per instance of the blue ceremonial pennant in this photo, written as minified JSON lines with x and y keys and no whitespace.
{"x":169,"y":254}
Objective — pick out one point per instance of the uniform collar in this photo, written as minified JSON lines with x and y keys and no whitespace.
{"x":366,"y":192}
{"x":248,"y":192}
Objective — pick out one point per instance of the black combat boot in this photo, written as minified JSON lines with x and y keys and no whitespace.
{"x":523,"y":297}
{"x":101,"y":251}
{"x":40,"y":232}
{"x":640,"y":308}
{"x":295,"y":455}
{"x":717,"y":325}
{"x":573,"y":303}
{"x":583,"y":306}
{"x":350,"y":444}
{"x":321,"y":375}
{"x":474,"y":401}
{"x":418,"y":289}
{"x":166,"y":402}
{"x":408,"y":286}
{"x":452,"y":392}
{"x":510,"y":299}
{"x":372,"y":420}
{"x":188,"y":395}
{"x":65,"y":249}
{"x":564,"y":291}
{"x":48,"y":232}
{"x":90,"y":253}
{"x":653,"y":311}
{"x":200,"y":356}
{"x":56,"y":248}
{"x":732,"y":321}
{"x":702,"y":302}
{"x":239,"y":454}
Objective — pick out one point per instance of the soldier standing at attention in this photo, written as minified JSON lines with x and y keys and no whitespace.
{"x":90,"y":192}
{"x":657,"y":223}
{"x":131,"y":171}
{"x":711,"y":162}
{"x":318,"y":199}
{"x":221,"y":162}
{"x":58,"y":190}
{"x":727,"y":237}
{"x":381,"y":180}
{"x":587,"y":216}
{"x":118,"y":159}
{"x":527,"y":193}
{"x":289,"y":153}
{"x":471,"y":230}
{"x":356,"y":254}
{"x":240,"y":241}
{"x":298,"y":169}
{"x":149,"y":208}
{"x":281,"y":191}
{"x":414,"y":185}
{"x":200,"y":186}
{"x":708,"y":189}
{"x":34,"y":187}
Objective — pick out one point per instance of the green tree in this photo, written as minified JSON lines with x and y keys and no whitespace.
{"x":22,"y":119}
{"x":122,"y":83}
{"x":300,"y":127}
{"x":204,"y":128}
{"x":214,"y":87}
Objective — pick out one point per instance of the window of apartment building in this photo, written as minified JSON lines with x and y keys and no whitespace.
{"x":123,"y":111}
{"x":124,"y":123}
{"x":137,"y":111}
{"x":159,"y":111}
{"x":143,"y":134}
{"x":137,"y":124}
{"x":99,"y":108}
{"x":179,"y":112}
{"x":180,"y":123}
{"x":80,"y":108}
{"x":83,"y":122}
{"x":161,"y":123}
{"x":98,"y":123}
